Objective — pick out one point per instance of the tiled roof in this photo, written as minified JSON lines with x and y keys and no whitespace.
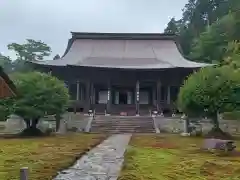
{"x":127,"y":51}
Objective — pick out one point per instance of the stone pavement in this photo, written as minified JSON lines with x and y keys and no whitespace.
{"x":104,"y":162}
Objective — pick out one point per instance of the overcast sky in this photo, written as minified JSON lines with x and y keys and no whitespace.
{"x":52,"y":20}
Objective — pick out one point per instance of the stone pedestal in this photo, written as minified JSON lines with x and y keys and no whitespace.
{"x":185,"y":126}
{"x":63,"y":127}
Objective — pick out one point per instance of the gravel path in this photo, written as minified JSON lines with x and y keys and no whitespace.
{"x":104,"y":162}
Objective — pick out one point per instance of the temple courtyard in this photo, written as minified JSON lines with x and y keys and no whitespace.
{"x":43,"y":156}
{"x":78,"y":156}
{"x":170,"y":157}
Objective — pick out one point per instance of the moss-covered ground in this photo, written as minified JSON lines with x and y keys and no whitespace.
{"x":171,"y":157}
{"x":44,"y":156}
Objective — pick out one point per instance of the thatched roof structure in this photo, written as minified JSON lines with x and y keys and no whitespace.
{"x":7,"y":88}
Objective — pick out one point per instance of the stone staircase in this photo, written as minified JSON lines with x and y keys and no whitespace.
{"x":122,"y":124}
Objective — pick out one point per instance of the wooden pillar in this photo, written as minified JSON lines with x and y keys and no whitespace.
{"x":169,"y":95}
{"x":92,"y":96}
{"x":153,"y":96}
{"x":137,"y":97}
{"x":109,"y":94}
{"x":88,"y":98}
{"x":159,"y":108}
{"x":77,"y":96}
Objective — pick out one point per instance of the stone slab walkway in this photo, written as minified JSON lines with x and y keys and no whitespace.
{"x":104,"y":162}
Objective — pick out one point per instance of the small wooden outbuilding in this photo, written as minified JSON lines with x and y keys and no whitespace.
{"x":7,"y":88}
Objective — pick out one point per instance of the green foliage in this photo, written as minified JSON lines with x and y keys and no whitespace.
{"x":233,"y":55}
{"x":6,"y":63}
{"x":173,"y":27}
{"x":39,"y":94}
{"x":197,"y":17}
{"x":56,"y":57}
{"x":30,"y":51}
{"x":211,"y":44}
{"x":212,"y":88}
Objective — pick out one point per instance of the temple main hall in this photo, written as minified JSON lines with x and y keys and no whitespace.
{"x":112,"y":73}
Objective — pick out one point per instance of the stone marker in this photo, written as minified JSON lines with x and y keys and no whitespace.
{"x":24,"y":173}
{"x":218,"y":144}
{"x":185,"y":126}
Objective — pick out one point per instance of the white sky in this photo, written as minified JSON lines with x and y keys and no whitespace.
{"x":52,"y":20}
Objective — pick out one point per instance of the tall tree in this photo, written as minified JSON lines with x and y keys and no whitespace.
{"x":173,"y":27}
{"x":232,"y":57}
{"x":6,"y":63}
{"x":39,"y":94}
{"x":211,"y":44}
{"x":200,"y":14}
{"x":30,"y":51}
{"x":210,"y":91}
{"x":56,"y":57}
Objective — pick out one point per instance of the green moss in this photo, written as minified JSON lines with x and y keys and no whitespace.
{"x":153,"y":157}
{"x":44,"y":156}
{"x":143,"y":163}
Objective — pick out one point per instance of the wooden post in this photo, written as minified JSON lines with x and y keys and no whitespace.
{"x":24,"y":173}
{"x":88,"y":98}
{"x":108,"y":99}
{"x":159,"y":96}
{"x":169,"y":95}
{"x":137,"y":97}
{"x":77,"y":98}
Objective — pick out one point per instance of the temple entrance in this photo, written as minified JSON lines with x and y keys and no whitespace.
{"x":123,"y":98}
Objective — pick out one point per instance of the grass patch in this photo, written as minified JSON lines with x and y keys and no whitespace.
{"x":44,"y":156}
{"x":170,"y":157}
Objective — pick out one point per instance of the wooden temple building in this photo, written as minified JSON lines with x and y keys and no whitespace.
{"x":7,"y":88}
{"x":122,"y":72}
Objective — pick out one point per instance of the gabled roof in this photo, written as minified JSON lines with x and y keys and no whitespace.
{"x":8,"y":82}
{"x":124,"y":51}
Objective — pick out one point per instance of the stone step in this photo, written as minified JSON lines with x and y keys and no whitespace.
{"x":122,"y":131}
{"x":123,"y":122}
{"x":117,"y":124}
{"x":120,"y":127}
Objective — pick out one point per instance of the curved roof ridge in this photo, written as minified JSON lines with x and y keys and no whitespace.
{"x":124,"y":36}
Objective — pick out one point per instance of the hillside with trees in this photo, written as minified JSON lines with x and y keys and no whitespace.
{"x":208,"y":29}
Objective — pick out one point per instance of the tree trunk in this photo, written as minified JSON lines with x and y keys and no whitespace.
{"x":34,"y":123}
{"x":215,"y":121}
{"x":58,"y":119}
{"x":27,"y":121}
{"x":31,"y":129}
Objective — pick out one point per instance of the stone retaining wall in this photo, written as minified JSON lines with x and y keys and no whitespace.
{"x":176,"y":125}
{"x":71,"y":121}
